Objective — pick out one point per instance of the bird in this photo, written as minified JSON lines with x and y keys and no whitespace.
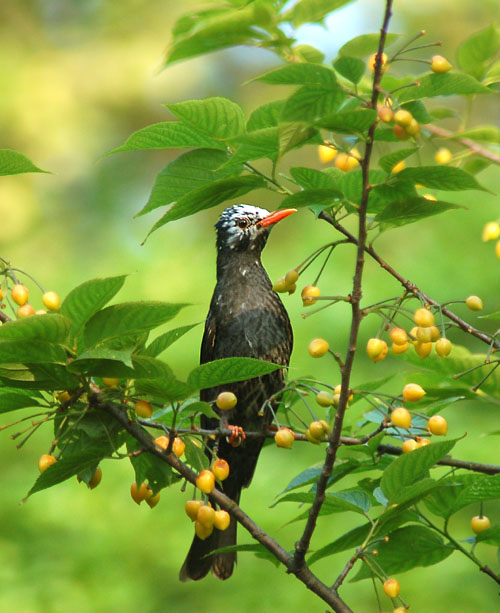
{"x":246,"y":318}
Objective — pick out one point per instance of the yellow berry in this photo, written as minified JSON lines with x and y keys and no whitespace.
{"x":222,"y":520}
{"x":25,"y":311}
{"x":435,"y":334}
{"x":391,"y":587}
{"x":413,"y":129}
{"x":491,"y":231}
{"x":443,"y":156}
{"x":151,"y":500}
{"x":398,"y":167}
{"x":398,"y":336}
{"x":192,"y":507}
{"x":403,"y":118}
{"x":51,"y":301}
{"x":96,"y":478}
{"x":397,"y":349}
{"x":423,"y":334}
{"x":342,"y":161}
{"x":309,"y":295}
{"x":226,"y":401}
{"x":110,"y":381}
{"x":220,"y":468}
{"x":440,"y":64}
{"x":376,"y":349}
{"x":205,"y":481}
{"x":401,"y":418}
{"x":422,"y":349}
{"x":45,"y":461}
{"x":324,"y":399}
{"x":311,"y":438}
{"x":19,"y":294}
{"x":1,"y":294}
{"x":412,"y":392}
{"x":443,"y":347}
{"x":326,"y":154}
{"x":474,"y":303}
{"x":422,"y":442}
{"x":385,"y":114}
{"x":409,"y":445}
{"x":423,"y":318}
{"x":400,"y":132}
{"x":437,"y":425}
{"x":63,"y":396}
{"x":479,"y":523}
{"x":316,"y":430}
{"x":143,"y":409}
{"x":338,"y":390}
{"x":202,"y":532}
{"x":206,"y":515}
{"x":291,"y":277}
{"x":284,"y":438}
{"x":371,"y":62}
{"x":318,"y":347}
{"x":280,"y":286}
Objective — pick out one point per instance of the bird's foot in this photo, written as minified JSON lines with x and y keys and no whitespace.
{"x":237,"y":436}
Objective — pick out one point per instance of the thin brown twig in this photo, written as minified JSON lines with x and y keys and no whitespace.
{"x":470,"y":144}
{"x":303,"y":544}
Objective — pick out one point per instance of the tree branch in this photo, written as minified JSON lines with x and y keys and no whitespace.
{"x":303,"y":544}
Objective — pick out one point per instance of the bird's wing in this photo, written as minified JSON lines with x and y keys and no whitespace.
{"x":209,"y":336}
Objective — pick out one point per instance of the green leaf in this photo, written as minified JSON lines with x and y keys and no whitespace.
{"x":220,"y":118}
{"x":167,"y":390}
{"x":228,"y":370}
{"x":487,"y":134}
{"x":12,"y":400}
{"x":349,"y":540}
{"x":165,"y":340}
{"x":265,"y":116}
{"x":292,"y":135}
{"x":128,"y":318}
{"x":259,"y":550}
{"x":358,"y":501}
{"x":309,"y":475}
{"x":352,"y":184}
{"x":446,"y":178}
{"x":306,"y":11}
{"x":14,"y":163}
{"x":365,"y":44}
{"x":475,"y":52}
{"x":21,"y":351}
{"x":220,"y":32}
{"x":210,"y":195}
{"x":418,"y":110}
{"x":189,"y":171}
{"x":86,"y":299}
{"x":411,"y":467}
{"x":103,"y":362}
{"x":349,"y":121}
{"x":310,"y":178}
{"x":50,"y":327}
{"x":459,"y":491}
{"x":407,"y":548}
{"x":414,"y":492}
{"x":312,"y":103}
{"x":403,"y":212}
{"x":300,"y":74}
{"x":432,"y":85}
{"x":352,"y":68}
{"x":68,"y":467}
{"x":167,"y":135}
{"x":309,"y":54}
{"x":388,"y":161}
{"x":312,"y":197}
{"x":258,"y":144}
{"x":490,"y":536}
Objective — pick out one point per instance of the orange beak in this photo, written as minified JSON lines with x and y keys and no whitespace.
{"x":274,"y":217}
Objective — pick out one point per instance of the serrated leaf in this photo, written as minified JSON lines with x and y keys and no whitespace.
{"x":14,"y":163}
{"x":225,"y":29}
{"x":309,"y":475}
{"x":209,"y":196}
{"x":311,"y":103}
{"x":411,"y":467}
{"x":218,"y":117}
{"x":432,"y":85}
{"x":407,"y":548}
{"x":490,"y":536}
{"x":312,"y":197}
{"x":365,"y":44}
{"x":413,"y":209}
{"x":388,"y":161}
{"x":229,"y":370}
{"x":128,"y":318}
{"x":21,"y":351}
{"x":346,"y":122}
{"x":103,"y":362}
{"x":310,"y":178}
{"x":447,"y":178}
{"x":358,"y":502}
{"x":352,"y":184}
{"x":189,"y":171}
{"x":11,"y":400}
{"x":167,"y":135}
{"x":167,"y":390}
{"x":293,"y":135}
{"x":300,"y":74}
{"x":352,"y":68}
{"x":478,"y":49}
{"x":86,"y":299}
{"x":68,"y":467}
{"x":385,"y":135}
{"x":255,"y":145}
{"x":265,"y":116}
{"x":164,"y":341}
{"x":53,"y":328}
{"x":349,"y":540}
{"x":306,"y":11}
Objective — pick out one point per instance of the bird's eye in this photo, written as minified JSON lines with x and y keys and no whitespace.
{"x":242,"y":223}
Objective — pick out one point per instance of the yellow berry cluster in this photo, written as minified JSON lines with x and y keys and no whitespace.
{"x":20,"y":295}
{"x":288,"y":283}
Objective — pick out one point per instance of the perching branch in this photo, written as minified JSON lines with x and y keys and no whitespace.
{"x":303,"y":573}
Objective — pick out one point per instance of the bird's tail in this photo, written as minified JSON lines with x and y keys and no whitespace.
{"x":200,"y":560}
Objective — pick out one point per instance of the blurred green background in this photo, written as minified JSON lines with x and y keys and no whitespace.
{"x":77,"y":79}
